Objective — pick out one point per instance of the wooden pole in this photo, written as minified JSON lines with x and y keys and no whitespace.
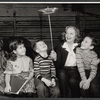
{"x":50,"y":31}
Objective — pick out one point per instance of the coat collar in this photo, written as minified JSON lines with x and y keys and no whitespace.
{"x":65,"y":46}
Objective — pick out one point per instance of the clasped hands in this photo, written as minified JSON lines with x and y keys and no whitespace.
{"x":85,"y":84}
{"x":49,"y":83}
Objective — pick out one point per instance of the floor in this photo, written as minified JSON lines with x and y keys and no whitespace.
{"x":22,"y":95}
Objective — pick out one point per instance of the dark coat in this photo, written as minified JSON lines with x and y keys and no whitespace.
{"x":61,"y":56}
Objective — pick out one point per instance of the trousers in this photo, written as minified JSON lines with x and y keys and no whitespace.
{"x":94,"y":89}
{"x":45,"y":92}
{"x":69,"y":79}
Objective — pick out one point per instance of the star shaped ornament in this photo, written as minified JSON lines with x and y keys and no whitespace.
{"x":48,"y":10}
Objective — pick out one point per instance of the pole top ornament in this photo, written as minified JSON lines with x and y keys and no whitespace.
{"x":48,"y":10}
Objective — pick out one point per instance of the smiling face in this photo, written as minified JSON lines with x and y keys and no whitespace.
{"x":70,"y":35}
{"x":86,"y":43}
{"x":41,"y":46}
{"x":21,"y":50}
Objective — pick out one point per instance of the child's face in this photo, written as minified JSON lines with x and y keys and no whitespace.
{"x":86,"y":43}
{"x":21,"y":50}
{"x":70,"y":35}
{"x":41,"y":46}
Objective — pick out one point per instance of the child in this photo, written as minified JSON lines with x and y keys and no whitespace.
{"x":3,"y":62}
{"x":44,"y":72}
{"x":87,"y":62}
{"x":19,"y":65}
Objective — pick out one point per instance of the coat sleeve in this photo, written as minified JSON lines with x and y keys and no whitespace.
{"x":37,"y":69}
{"x":94,"y":65}
{"x":80,"y":64}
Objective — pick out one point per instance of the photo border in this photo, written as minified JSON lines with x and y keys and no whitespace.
{"x":51,"y":2}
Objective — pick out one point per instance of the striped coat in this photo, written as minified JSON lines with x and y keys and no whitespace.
{"x":86,"y":61}
{"x":44,"y":67}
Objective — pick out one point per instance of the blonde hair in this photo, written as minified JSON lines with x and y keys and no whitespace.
{"x":77,"y":32}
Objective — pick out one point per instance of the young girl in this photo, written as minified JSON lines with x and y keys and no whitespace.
{"x":3,"y":62}
{"x":87,"y":62}
{"x":45,"y":74}
{"x":19,"y":65}
{"x":65,"y":63}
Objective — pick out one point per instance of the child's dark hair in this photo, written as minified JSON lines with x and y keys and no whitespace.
{"x":77,"y":32}
{"x":1,"y":44}
{"x":34,"y":45}
{"x":13,"y":46}
{"x":94,"y":41}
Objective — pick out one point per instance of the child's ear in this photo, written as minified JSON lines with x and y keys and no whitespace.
{"x":91,"y":47}
{"x":14,"y":51}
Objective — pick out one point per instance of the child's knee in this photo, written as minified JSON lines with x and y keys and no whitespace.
{"x":40,"y":87}
{"x":56,"y":91}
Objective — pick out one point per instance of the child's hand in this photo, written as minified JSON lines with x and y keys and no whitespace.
{"x":87,"y":84}
{"x":53,"y":55}
{"x":7,"y":89}
{"x":53,"y":82}
{"x":46,"y":81}
{"x":30,"y":76}
{"x":26,"y":78}
{"x":82,"y":83}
